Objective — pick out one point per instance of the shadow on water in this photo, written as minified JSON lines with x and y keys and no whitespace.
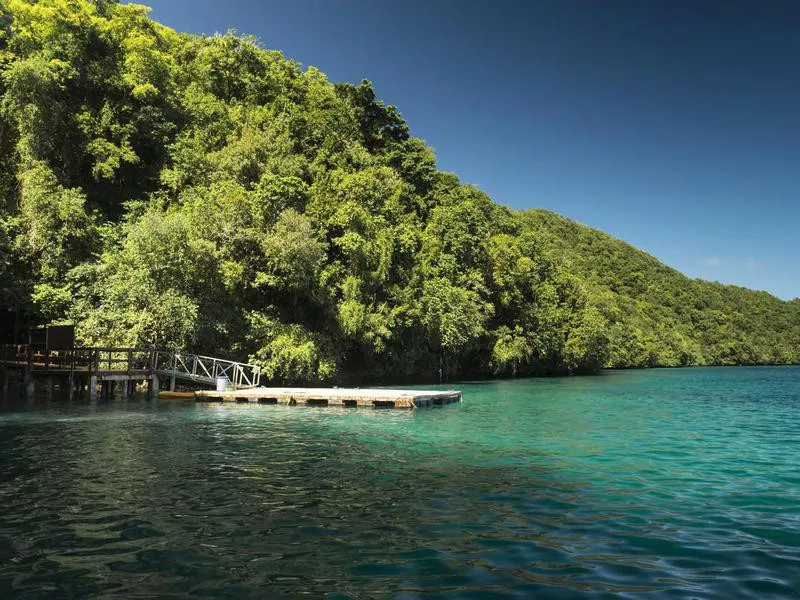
{"x":550,"y":489}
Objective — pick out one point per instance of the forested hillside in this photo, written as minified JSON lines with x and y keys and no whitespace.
{"x":165,"y":189}
{"x":657,"y":316}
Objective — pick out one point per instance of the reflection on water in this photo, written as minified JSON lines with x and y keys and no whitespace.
{"x":683,"y":483}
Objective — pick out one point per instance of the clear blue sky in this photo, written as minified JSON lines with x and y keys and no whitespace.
{"x":672,"y":125}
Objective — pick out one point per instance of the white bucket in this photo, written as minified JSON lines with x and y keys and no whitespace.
{"x":222,"y":383}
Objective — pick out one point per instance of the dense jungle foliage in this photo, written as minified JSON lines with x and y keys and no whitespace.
{"x":166,"y":189}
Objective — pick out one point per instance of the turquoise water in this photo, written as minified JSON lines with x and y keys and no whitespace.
{"x":638,"y":484}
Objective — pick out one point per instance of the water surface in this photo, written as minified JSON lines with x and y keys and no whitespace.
{"x":640,"y":484}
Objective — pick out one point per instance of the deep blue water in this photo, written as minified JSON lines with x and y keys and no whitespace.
{"x":639,"y":484}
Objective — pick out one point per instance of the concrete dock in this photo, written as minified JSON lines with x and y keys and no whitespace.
{"x":346,"y":397}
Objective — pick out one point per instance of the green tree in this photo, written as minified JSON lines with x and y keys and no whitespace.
{"x":203,"y":192}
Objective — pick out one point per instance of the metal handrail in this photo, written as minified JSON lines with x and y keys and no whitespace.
{"x":197,"y":367}
{"x":183,"y":365}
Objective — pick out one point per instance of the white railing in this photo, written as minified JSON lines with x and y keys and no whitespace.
{"x":131,"y":361}
{"x":205,"y":369}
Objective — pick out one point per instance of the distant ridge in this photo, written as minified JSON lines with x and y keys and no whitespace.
{"x":660,"y":317}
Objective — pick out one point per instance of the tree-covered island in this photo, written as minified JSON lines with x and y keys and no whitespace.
{"x":166,"y":189}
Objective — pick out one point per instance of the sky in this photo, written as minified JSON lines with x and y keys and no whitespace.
{"x":673,"y":125}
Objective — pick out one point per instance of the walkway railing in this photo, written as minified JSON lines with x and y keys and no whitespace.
{"x":91,"y":360}
{"x":131,"y":361}
{"x":205,"y":369}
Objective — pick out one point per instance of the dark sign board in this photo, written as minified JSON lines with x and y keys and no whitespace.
{"x":38,"y":337}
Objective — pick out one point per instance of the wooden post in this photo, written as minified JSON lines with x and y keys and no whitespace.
{"x":93,"y":387}
{"x":154,"y":385}
{"x":30,"y":386}
{"x":28,"y":368}
{"x":172,"y":371}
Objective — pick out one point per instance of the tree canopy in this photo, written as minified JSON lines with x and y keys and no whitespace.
{"x":202,"y":192}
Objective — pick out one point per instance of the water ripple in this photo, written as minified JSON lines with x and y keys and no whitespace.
{"x":673,"y":484}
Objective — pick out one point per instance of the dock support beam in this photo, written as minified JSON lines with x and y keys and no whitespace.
{"x":154,"y":386}
{"x":93,"y":388}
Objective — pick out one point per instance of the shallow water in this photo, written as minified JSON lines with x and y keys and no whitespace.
{"x":662,"y":483}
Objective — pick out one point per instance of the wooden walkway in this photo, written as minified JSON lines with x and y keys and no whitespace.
{"x":344,"y":397}
{"x":79,"y":368}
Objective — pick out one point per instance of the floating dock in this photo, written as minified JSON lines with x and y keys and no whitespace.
{"x":346,"y":397}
